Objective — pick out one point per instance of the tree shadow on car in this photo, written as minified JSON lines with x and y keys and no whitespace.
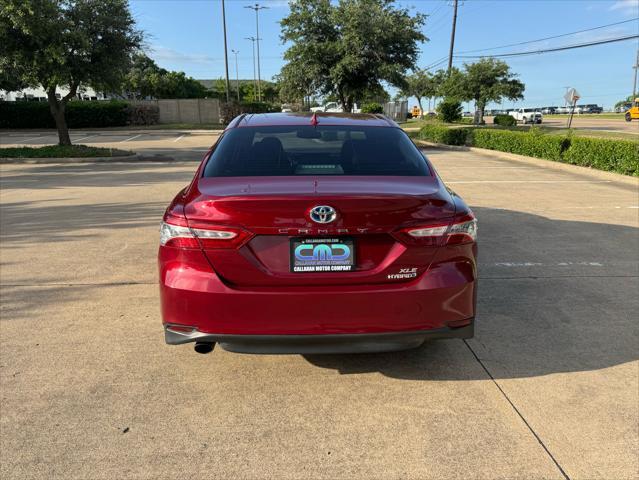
{"x":554,"y":296}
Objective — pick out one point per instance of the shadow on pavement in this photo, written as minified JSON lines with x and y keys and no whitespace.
{"x":51,"y":176}
{"x":573,"y":308}
{"x":33,"y":222}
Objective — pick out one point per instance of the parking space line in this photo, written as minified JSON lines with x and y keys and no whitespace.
{"x":517,"y":411}
{"x":532,"y":181}
{"x":27,"y":140}
{"x":132,"y":138}
{"x":179,"y":138}
{"x":84,"y":138}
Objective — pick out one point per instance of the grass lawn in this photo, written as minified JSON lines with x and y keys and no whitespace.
{"x":580,"y":133}
{"x":61,"y":151}
{"x":591,"y":116}
{"x":417,"y":124}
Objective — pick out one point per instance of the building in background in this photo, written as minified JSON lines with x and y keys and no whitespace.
{"x":39,"y":94}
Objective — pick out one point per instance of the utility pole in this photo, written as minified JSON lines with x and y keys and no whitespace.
{"x":237,"y":75}
{"x":634,"y":83}
{"x":452,"y":37}
{"x":252,"y":39}
{"x":257,"y":7}
{"x":226,"y":56}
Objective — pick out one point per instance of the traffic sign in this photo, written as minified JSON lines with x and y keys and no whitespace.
{"x":571,"y":96}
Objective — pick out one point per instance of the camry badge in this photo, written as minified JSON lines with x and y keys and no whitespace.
{"x":323,"y":214}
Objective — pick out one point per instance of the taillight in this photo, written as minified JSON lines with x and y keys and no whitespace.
{"x":177,"y":236}
{"x":463,"y":229}
{"x":201,"y":236}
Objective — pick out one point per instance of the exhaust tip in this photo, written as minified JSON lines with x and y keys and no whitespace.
{"x":204,"y":347}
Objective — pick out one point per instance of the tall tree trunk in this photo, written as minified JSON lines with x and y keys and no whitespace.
{"x":421,"y":110}
{"x":58,"y":108}
{"x":57,"y":111}
{"x":348,"y":107}
{"x":342,"y":100}
{"x":480,"y":107}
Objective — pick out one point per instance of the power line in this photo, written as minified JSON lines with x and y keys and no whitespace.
{"x":550,"y":38}
{"x":436,"y":63}
{"x":556,"y":49}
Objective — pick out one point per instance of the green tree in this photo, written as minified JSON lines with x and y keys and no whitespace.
{"x":142,"y":79}
{"x":65,"y":43}
{"x":488,"y":80}
{"x":349,"y":47}
{"x":146,"y":79}
{"x":178,"y":85}
{"x":420,"y":84}
{"x":620,"y":103}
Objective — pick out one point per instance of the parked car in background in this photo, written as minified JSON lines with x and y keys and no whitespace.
{"x":590,"y":108}
{"x":549,"y":110}
{"x":334,"y":107}
{"x":624,"y":107}
{"x":527,"y":115}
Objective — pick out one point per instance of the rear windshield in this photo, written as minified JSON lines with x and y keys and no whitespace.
{"x":315,"y":150}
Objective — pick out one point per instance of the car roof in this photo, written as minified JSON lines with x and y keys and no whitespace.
{"x":306,"y":118}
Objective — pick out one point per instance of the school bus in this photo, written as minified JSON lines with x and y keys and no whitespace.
{"x":633,"y":113}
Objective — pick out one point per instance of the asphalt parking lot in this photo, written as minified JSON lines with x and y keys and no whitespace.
{"x":158,"y":144}
{"x":548,"y":388}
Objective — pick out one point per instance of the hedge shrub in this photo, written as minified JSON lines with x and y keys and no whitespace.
{"x":372,"y":107}
{"x":531,"y":143}
{"x":505,"y":120}
{"x":449,"y":111}
{"x":621,"y":156}
{"x":446,"y":135}
{"x":114,"y":113}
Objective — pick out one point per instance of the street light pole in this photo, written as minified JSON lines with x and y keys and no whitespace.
{"x":257,"y":7}
{"x":452,"y":38}
{"x":252,"y":39}
{"x":634,"y":83}
{"x":237,"y":76}
{"x":226,"y":56}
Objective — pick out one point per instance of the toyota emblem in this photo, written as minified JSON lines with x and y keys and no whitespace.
{"x":323,"y":214}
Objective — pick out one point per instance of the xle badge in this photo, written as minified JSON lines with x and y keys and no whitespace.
{"x":403,"y":274}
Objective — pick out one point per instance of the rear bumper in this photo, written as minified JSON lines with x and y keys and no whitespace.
{"x":192,"y":296}
{"x":309,"y":344}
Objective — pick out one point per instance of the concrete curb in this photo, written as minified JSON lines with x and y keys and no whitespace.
{"x":106,"y":133}
{"x":538,"y":162}
{"x":122,"y":159}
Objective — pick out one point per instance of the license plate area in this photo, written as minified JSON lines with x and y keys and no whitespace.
{"x":312,"y":255}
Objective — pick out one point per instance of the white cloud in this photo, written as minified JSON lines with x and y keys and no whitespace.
{"x":626,"y":6}
{"x":164,"y":54}
{"x":275,"y":3}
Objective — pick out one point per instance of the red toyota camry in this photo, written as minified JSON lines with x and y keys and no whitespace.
{"x":329,"y":233}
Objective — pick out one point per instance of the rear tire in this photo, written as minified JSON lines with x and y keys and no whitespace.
{"x":628,"y":117}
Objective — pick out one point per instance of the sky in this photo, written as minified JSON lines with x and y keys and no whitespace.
{"x":187,"y":35}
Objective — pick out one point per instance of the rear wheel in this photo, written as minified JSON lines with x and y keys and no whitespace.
{"x":628,"y":117}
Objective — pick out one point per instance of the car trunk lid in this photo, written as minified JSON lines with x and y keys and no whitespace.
{"x":276,"y":211}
